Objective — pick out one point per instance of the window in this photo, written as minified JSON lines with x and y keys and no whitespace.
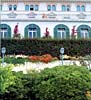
{"x":36,"y":7}
{"x":49,"y":7}
{"x":3,"y":33}
{"x":80,"y":8}
{"x":10,"y":7}
{"x":53,"y":8}
{"x":63,"y":8}
{"x":61,"y":33}
{"x":14,"y":7}
{"x":84,"y":33}
{"x":68,"y":8}
{"x":26,"y":7}
{"x":32,"y":33}
{"x":31,"y":7}
{"x":0,"y":7}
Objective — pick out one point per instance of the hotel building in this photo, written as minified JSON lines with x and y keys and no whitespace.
{"x":62,"y":18}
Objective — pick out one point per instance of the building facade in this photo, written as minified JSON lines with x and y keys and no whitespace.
{"x":61,"y":18}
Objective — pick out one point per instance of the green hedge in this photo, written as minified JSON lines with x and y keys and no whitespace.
{"x":44,"y":46}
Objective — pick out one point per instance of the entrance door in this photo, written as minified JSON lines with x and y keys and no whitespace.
{"x":84,"y":33}
{"x":61,"y":33}
{"x":32,"y":33}
{"x":3,"y":33}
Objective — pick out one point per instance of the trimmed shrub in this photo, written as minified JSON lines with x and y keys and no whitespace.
{"x":62,"y":83}
{"x":46,"y":46}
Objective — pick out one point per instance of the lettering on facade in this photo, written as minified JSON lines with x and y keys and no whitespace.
{"x":12,"y":15}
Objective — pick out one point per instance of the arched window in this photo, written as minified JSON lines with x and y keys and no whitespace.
{"x":36,"y":7}
{"x":53,"y":8}
{"x":61,"y":31}
{"x":82,"y":8}
{"x":49,"y":7}
{"x":10,"y":7}
{"x":63,"y":8}
{"x":15,"y":7}
{"x":78,"y":8}
{"x":84,"y":31}
{"x":26,"y":7}
{"x":32,"y":31}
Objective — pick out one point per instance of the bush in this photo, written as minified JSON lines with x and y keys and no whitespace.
{"x":22,"y":89}
{"x":6,"y":78}
{"x":14,"y":60}
{"x":62,"y":83}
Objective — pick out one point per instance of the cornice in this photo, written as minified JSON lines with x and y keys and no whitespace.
{"x":45,"y":0}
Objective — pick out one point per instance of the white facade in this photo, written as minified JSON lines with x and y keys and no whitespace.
{"x":64,"y":14}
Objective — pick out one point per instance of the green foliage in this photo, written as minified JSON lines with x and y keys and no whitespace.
{"x":14,"y":60}
{"x":6,"y":78}
{"x":46,"y":46}
{"x":62,"y":83}
{"x":59,"y":83}
{"x":22,"y":89}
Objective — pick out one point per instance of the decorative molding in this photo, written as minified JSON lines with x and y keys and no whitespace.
{"x":44,"y":16}
{"x":81,"y":16}
{"x":12,"y":15}
{"x":51,"y":15}
{"x":66,"y":17}
{"x":31,"y":15}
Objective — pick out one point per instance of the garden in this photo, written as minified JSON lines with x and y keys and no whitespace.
{"x":40,"y":75}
